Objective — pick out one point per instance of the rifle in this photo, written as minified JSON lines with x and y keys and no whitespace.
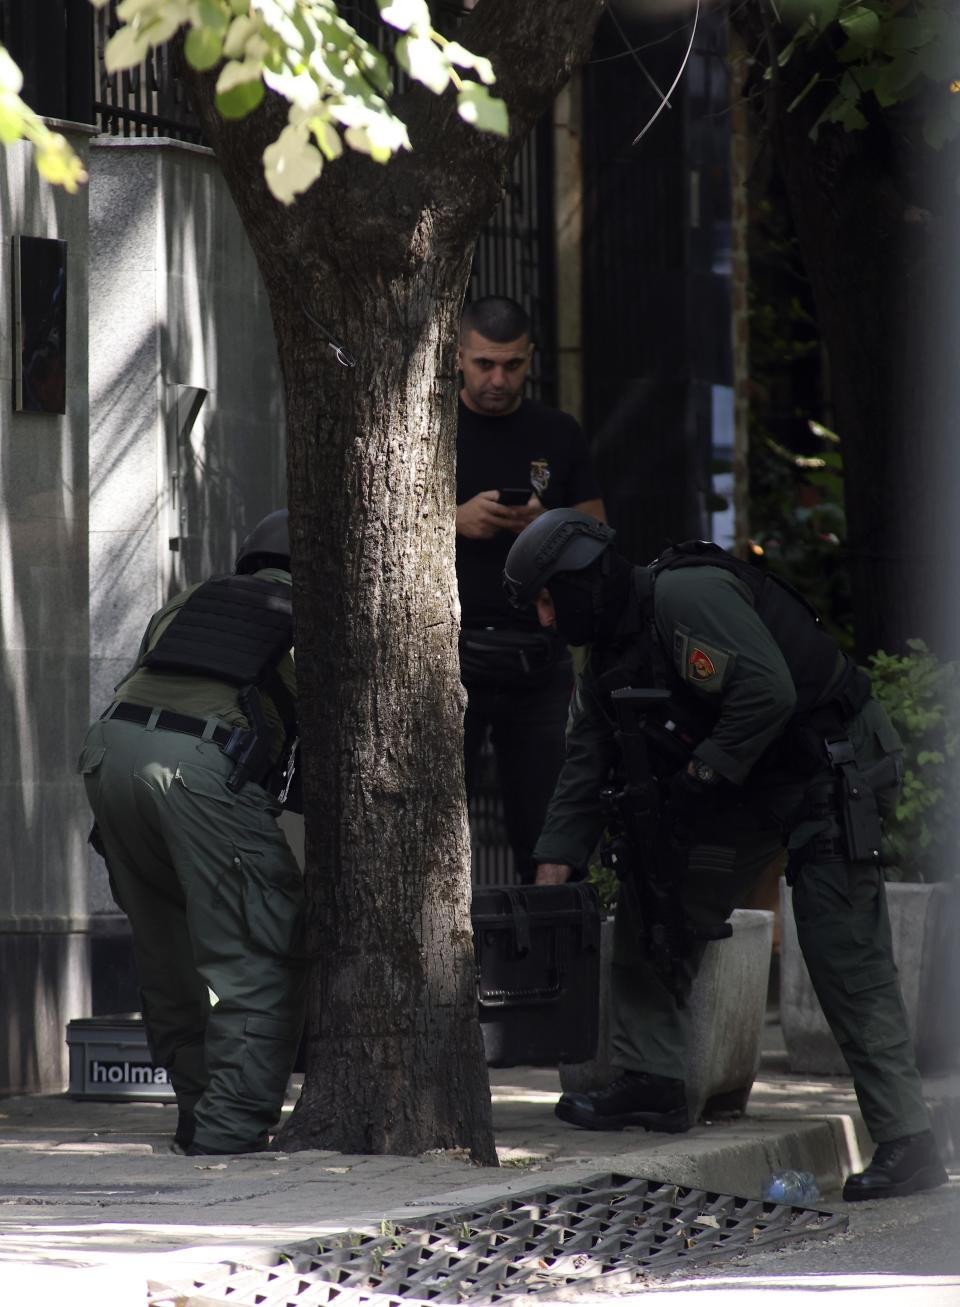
{"x":639,"y":843}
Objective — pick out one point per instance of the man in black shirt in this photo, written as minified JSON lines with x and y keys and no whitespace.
{"x":518,"y":678}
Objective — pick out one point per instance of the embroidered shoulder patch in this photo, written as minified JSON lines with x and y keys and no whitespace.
{"x":701,"y":668}
{"x":705,"y":665}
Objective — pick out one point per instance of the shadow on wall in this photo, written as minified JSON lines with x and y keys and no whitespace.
{"x":226,"y":467}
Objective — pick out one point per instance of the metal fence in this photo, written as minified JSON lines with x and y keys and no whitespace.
{"x":515,"y":253}
{"x":150,"y":100}
{"x":489,"y":846}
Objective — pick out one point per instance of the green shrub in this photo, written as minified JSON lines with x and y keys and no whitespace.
{"x":922,"y":696}
{"x":604,"y":881}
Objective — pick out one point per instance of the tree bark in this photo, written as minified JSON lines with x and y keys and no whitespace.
{"x":876,"y":217}
{"x":380,"y":256}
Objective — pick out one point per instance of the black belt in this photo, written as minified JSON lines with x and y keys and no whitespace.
{"x":169,"y":721}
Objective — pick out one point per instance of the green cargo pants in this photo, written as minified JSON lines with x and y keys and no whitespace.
{"x":215,"y":901}
{"x":843,"y":930}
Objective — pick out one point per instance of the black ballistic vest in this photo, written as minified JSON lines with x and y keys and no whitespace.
{"x":232,"y":628}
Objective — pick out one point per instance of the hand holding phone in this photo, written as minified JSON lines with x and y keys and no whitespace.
{"x":515,"y":496}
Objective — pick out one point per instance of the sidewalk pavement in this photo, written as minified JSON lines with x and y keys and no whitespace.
{"x":95,"y":1186}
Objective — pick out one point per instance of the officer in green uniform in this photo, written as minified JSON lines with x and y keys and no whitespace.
{"x":769,"y":736}
{"x":186,"y":772}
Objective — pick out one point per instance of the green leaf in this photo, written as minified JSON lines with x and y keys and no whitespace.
{"x":300,"y":89}
{"x":816,"y":14}
{"x":903,"y":34}
{"x":477,"y":106}
{"x":456,"y":54}
{"x":850,"y":88}
{"x":786,"y":54}
{"x":11,"y":78}
{"x":163,"y":22}
{"x":238,"y":33}
{"x":281,"y":20}
{"x":240,"y":100}
{"x":405,"y":15}
{"x":895,"y":79}
{"x":57,"y":163}
{"x":424,"y":62}
{"x":11,"y":124}
{"x":373,"y":131}
{"x":238,"y":72}
{"x":203,"y":48}
{"x":128,"y":10}
{"x":939,"y":62}
{"x":804,"y":93}
{"x":842,"y":111}
{"x":213,"y":15}
{"x":867,"y":75}
{"x":291,"y":164}
{"x":125,"y":49}
{"x":377,"y":70}
{"x":861,"y":25}
{"x":327,"y":138}
{"x":850,"y":53}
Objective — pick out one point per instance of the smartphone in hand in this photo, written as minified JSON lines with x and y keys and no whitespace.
{"x":515,"y":496}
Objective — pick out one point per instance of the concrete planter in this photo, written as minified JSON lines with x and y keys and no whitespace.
{"x":728,"y":1004}
{"x":924,"y":922}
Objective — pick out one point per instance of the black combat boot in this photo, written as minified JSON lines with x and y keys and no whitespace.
{"x":186,"y":1125}
{"x":634,"y":1098}
{"x":900,"y":1166}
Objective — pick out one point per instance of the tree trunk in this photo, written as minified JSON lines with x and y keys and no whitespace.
{"x":876,"y":219}
{"x":380,"y":257}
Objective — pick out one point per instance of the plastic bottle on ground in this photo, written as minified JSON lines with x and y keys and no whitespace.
{"x":795,"y":1187}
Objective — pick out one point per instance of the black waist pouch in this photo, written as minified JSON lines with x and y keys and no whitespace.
{"x":491,"y":659}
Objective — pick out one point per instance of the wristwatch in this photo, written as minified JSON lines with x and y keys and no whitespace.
{"x":703,"y":772}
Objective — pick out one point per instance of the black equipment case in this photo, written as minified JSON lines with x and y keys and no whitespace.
{"x":538,"y":969}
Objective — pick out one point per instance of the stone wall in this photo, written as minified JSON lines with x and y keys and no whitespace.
{"x":44,"y":669}
{"x":171,"y":447}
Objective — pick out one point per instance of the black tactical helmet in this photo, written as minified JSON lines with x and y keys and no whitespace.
{"x":267,"y":545}
{"x":561,"y":540}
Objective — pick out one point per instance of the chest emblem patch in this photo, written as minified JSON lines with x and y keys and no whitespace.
{"x":539,"y":474}
{"x":700,"y":666}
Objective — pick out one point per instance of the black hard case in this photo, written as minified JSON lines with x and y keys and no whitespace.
{"x":538,"y":966}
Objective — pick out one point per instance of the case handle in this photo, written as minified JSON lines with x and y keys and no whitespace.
{"x":515,"y":997}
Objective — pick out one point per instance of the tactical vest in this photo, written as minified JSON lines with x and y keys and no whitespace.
{"x":234,"y":629}
{"x":809,"y":651}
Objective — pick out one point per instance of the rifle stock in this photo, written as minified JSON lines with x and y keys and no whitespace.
{"x":639,"y":843}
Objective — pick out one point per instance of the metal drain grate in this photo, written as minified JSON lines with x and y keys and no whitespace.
{"x":607,"y":1231}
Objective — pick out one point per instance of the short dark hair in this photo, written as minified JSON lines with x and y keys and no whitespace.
{"x":495,"y":318}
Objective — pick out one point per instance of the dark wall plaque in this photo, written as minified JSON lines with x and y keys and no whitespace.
{"x":39,"y":325}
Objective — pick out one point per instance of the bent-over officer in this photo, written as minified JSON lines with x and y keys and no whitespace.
{"x":720,"y":720}
{"x":186,"y":773}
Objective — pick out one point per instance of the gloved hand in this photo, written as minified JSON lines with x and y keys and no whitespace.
{"x":691,"y":805}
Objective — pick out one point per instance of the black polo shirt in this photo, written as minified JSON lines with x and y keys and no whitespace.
{"x":534,"y":446}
